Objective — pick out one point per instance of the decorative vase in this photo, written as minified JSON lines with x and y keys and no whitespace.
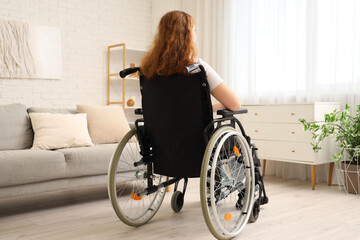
{"x":131,"y":101}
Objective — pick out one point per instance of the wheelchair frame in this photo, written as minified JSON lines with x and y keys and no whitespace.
{"x":146,"y":152}
{"x":227,"y":119}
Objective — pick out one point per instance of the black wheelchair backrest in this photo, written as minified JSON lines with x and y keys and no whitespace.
{"x":176,"y":110}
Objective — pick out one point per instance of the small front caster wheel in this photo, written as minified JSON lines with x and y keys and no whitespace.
{"x":255,"y":211}
{"x":177,"y":201}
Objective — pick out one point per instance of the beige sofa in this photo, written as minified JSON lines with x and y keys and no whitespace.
{"x":27,"y":172}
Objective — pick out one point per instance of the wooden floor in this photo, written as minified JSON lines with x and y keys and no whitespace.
{"x":294,"y":212}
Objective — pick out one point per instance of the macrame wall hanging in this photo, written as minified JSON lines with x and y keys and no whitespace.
{"x":29,"y":52}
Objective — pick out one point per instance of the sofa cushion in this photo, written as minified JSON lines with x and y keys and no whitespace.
{"x":15,"y":127}
{"x":52,"y":110}
{"x":54,"y":131}
{"x":107,"y":124}
{"x":29,"y":166}
{"x":88,"y":161}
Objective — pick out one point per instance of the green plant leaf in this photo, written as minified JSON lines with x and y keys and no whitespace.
{"x":340,"y":124}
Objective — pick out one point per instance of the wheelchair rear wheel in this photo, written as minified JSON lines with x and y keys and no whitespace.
{"x":126,"y":180}
{"x":227,"y":183}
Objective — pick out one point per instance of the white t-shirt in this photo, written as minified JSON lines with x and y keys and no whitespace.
{"x":213,"y":78}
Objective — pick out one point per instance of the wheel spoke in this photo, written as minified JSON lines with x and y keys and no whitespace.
{"x":223,"y":175}
{"x":131,"y":209}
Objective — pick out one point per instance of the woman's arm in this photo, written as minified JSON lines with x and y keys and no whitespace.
{"x":226,"y":97}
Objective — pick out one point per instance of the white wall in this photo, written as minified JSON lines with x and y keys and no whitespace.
{"x":87,"y":28}
{"x":159,"y":8}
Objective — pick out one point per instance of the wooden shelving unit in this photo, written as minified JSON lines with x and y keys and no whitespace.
{"x":111,"y":74}
{"x":118,"y":54}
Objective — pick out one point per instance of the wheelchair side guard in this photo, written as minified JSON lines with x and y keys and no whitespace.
{"x":144,"y":144}
{"x":146,"y":154}
{"x":258,"y":177}
{"x":220,"y":122}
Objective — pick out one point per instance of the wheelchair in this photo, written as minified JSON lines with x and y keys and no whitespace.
{"x":176,"y":139}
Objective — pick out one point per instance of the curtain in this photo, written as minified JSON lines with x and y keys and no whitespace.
{"x":283,"y":51}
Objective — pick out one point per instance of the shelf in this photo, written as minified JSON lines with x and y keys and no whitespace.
{"x":127,"y":78}
{"x":135,"y":107}
{"x":132,"y":78}
{"x":115,"y":103}
{"x":114,"y":75}
{"x":136,"y":50}
{"x":117,"y":45}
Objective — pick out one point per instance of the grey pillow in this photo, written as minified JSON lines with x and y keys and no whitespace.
{"x":15,"y":127}
{"x":52,"y":110}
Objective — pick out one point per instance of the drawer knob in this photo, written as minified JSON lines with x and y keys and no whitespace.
{"x":255,"y":114}
{"x":293,"y":151}
{"x":292,"y":114}
{"x":256,"y":130}
{"x":292,"y":132}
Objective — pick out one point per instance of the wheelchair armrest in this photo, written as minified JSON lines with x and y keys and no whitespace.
{"x":227,"y":112}
{"x":138,"y":111}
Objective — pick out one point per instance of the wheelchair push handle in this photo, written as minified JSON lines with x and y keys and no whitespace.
{"x":191,"y":67}
{"x":128,"y":71}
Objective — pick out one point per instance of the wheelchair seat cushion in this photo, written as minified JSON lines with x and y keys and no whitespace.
{"x":176,"y":111}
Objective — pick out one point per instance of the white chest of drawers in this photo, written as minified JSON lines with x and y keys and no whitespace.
{"x":277,"y":132}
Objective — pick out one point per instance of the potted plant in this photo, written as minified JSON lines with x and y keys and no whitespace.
{"x":346,"y":130}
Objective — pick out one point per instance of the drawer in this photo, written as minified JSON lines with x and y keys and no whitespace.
{"x":287,"y":113}
{"x":277,"y":132}
{"x":278,"y":113}
{"x":291,"y":152}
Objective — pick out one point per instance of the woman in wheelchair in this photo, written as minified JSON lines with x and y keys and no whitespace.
{"x":174,"y":48}
{"x":178,"y":138}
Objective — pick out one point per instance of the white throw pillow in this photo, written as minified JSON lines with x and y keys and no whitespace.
{"x":107,"y":124}
{"x":54,"y":131}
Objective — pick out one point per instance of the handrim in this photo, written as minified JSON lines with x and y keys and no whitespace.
{"x":112,"y":191}
{"x":223,"y":133}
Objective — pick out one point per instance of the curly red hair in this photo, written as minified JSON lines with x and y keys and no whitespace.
{"x":173,"y":47}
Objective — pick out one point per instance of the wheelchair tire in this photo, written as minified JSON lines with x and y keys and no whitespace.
{"x":255,"y":212}
{"x":126,"y":180}
{"x":227,"y":174}
{"x":256,"y":208}
{"x":177,"y":201}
